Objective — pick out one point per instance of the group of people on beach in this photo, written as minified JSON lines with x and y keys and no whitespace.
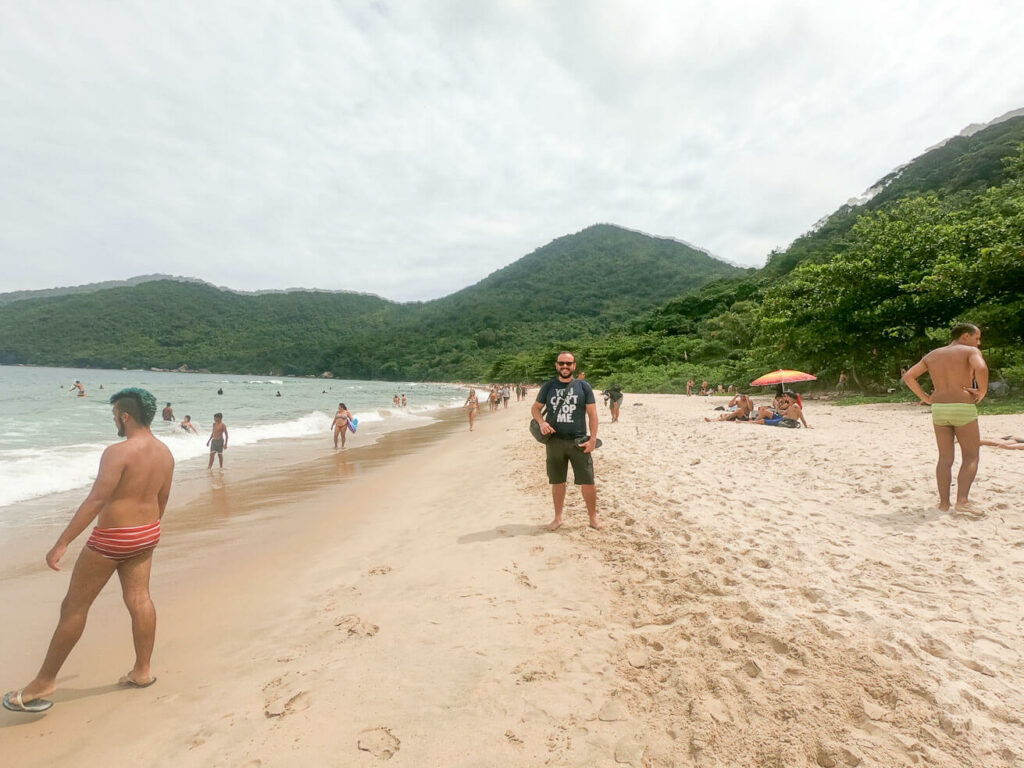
{"x":709,"y":389}
{"x":786,"y":410}
{"x":218,"y":440}
{"x":129,"y":496}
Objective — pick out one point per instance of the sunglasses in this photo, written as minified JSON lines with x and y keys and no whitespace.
{"x":560,"y":364}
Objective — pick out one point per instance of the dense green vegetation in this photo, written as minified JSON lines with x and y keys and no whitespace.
{"x":577,"y":286}
{"x":869,"y":292}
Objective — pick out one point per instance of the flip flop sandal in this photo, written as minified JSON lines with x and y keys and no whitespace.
{"x":127,"y":682}
{"x":13,"y":702}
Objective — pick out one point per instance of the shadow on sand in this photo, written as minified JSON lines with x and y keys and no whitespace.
{"x":503,"y":532}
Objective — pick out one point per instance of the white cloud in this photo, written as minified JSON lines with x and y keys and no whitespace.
{"x":409,"y":149}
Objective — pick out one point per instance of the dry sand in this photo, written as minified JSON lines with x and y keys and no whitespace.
{"x":760,"y":597}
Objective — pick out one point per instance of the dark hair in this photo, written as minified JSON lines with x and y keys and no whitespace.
{"x":343,"y":406}
{"x":218,"y":415}
{"x":168,"y":404}
{"x":566,"y":352}
{"x":187,"y":417}
{"x":137,"y":403}
{"x":960,"y":329}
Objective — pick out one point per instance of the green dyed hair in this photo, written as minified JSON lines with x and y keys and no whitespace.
{"x":137,"y":402}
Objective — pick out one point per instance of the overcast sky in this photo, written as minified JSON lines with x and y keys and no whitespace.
{"x":411,"y":148}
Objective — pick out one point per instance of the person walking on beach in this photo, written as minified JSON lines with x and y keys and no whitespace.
{"x":959,"y":382}
{"x":127,"y":501}
{"x":218,"y":441}
{"x":563,"y":409}
{"x":689,"y":387}
{"x":340,"y":424}
{"x":614,"y":397}
{"x":506,"y":394}
{"x":472,"y":406}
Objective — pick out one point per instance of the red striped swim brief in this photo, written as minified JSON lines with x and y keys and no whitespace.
{"x":124,"y":543}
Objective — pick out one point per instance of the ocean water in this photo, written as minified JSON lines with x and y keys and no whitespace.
{"x":51,"y":440}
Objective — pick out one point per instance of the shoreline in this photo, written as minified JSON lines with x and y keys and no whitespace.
{"x":758,"y":597}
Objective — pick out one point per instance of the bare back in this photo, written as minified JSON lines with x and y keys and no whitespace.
{"x":135,"y":476}
{"x":952,"y":369}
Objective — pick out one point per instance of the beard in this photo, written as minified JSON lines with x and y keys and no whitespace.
{"x":120,"y":429}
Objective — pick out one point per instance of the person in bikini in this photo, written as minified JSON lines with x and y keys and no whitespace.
{"x":785,"y":413}
{"x":959,"y":382}
{"x":340,"y":424}
{"x":187,"y":425}
{"x":472,"y":406}
{"x":127,"y":501}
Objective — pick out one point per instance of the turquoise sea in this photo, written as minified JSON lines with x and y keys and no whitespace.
{"x":51,"y":439}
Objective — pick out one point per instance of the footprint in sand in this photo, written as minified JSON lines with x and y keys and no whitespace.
{"x":286,"y":704}
{"x":353,"y":626}
{"x":379,"y":742}
{"x":380,"y":570}
{"x":521,"y":578}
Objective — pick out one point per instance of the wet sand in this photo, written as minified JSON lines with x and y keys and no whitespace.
{"x":760,"y":597}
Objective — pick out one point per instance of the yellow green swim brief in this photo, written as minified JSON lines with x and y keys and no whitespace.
{"x":953,"y":414}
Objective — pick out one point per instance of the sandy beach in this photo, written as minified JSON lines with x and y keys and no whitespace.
{"x":758,"y":597}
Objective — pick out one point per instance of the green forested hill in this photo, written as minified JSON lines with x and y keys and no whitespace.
{"x":868,"y":292}
{"x":963,"y":165}
{"x":576,"y":286}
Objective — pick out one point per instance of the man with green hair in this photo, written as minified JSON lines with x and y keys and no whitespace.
{"x":127,"y":501}
{"x":959,"y":382}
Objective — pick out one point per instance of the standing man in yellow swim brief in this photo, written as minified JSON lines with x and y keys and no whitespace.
{"x":959,"y":382}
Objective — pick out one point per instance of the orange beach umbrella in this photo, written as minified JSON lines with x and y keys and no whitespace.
{"x":782,"y":377}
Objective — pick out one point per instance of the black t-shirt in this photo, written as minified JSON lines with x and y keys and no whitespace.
{"x":571,"y":419}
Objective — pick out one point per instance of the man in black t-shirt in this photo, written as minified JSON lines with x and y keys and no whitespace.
{"x":567,"y":425}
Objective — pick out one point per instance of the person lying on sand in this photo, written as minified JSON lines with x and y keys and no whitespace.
{"x":789,"y":414}
{"x":1009,"y":442}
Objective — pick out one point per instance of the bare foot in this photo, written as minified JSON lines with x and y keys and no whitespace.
{"x":706,"y":419}
{"x":966,"y":508}
{"x":942,"y":506}
{"x":555,"y":524}
{"x":596,"y":524}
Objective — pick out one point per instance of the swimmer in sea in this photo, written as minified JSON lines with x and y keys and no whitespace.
{"x":340,"y":424}
{"x":187,"y":425}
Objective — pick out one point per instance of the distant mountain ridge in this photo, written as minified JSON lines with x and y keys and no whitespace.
{"x":42,"y":293}
{"x":575,"y":286}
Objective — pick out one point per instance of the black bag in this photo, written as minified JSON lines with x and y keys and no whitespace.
{"x":539,"y":436}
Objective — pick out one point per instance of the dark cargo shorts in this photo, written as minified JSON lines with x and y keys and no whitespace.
{"x":562,"y":452}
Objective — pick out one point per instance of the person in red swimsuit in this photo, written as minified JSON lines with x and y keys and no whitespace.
{"x":127,"y":501}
